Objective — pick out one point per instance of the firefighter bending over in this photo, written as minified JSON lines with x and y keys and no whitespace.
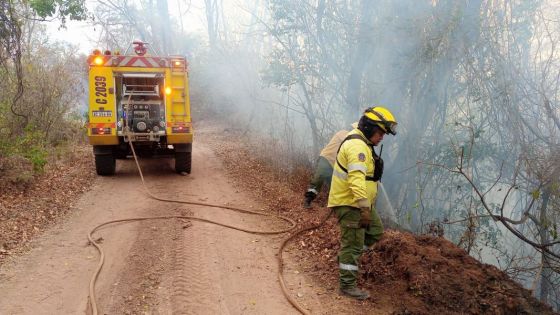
{"x":324,"y":169}
{"x":353,"y":192}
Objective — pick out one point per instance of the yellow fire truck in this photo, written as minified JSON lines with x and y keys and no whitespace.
{"x":142,"y":98}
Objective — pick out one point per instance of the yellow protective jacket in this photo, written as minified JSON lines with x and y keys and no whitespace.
{"x":356,"y":187}
{"x":329,"y":151}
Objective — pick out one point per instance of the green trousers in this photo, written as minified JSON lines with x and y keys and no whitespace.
{"x":353,"y":241}
{"x":322,"y":176}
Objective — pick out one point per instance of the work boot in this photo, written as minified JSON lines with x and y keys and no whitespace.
{"x":307,"y":203}
{"x":355,"y":293}
{"x":309,"y":196}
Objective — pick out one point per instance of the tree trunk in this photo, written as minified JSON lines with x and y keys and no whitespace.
{"x":546,"y":273}
{"x":212,"y":19}
{"x":165,"y":27}
{"x":360,"y":58}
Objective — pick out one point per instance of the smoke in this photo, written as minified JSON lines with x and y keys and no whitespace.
{"x":472,"y":83}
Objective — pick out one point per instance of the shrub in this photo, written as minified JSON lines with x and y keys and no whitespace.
{"x":16,"y":170}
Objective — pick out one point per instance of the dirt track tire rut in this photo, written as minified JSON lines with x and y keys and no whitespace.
{"x":195,"y":291}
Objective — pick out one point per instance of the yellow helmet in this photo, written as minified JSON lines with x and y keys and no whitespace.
{"x":383,"y":118}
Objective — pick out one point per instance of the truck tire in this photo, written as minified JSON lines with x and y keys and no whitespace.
{"x":183,"y":162}
{"x":105,"y":164}
{"x":121,"y":155}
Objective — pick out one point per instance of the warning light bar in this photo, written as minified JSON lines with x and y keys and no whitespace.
{"x":98,"y":60}
{"x":178,"y":65}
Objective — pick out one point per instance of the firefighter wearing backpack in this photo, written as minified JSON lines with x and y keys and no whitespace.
{"x":353,"y":192}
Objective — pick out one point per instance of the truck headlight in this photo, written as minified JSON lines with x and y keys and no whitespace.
{"x":141,"y":126}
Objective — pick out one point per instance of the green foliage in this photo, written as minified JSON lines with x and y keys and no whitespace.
{"x":409,"y":217}
{"x":32,"y":146}
{"x":73,"y":9}
{"x":554,"y":231}
{"x":490,"y":236}
{"x":280,"y":72}
{"x":38,"y":157}
{"x":478,"y":133}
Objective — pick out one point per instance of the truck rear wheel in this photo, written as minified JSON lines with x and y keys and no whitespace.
{"x":183,"y":162}
{"x":120,"y":155}
{"x":105,"y":164}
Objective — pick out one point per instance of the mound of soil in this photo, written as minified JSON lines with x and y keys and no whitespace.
{"x":410,"y":273}
{"x":432,"y":275}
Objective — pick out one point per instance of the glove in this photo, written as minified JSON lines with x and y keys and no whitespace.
{"x":378,"y":171}
{"x":310,"y":194}
{"x":365,"y":217}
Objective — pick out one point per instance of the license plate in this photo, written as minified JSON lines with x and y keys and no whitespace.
{"x":102,"y":113}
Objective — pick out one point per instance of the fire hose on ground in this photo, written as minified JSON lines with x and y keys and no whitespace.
{"x":92,"y":298}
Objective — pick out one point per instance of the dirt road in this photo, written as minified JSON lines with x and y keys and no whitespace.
{"x":155,"y":267}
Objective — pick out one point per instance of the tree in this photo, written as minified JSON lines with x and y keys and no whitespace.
{"x":60,"y":9}
{"x":14,"y":15}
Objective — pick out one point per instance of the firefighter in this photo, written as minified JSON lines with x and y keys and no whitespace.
{"x":353,"y":192}
{"x":324,"y":169}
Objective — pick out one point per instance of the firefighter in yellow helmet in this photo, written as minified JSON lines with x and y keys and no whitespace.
{"x":353,"y":192}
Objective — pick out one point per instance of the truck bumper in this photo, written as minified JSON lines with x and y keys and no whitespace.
{"x":103,"y":140}
{"x":180,"y":138}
